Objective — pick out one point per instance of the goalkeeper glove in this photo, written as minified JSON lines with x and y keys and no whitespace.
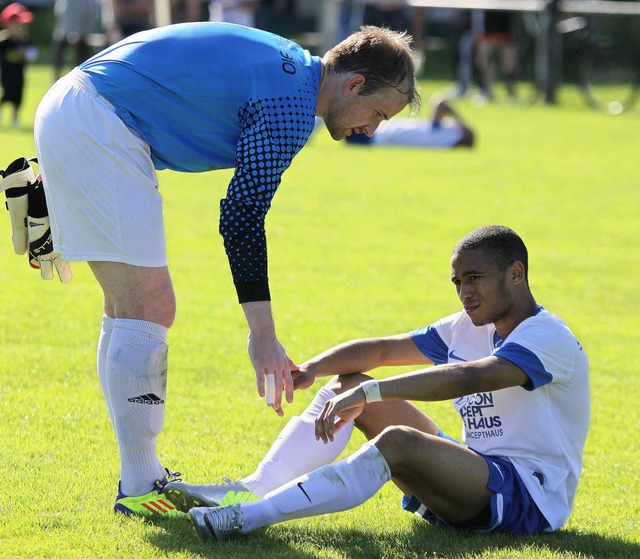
{"x":27,"y":207}
{"x":16,"y":181}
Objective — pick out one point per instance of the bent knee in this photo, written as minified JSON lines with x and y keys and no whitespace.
{"x":166,"y":310}
{"x":399,"y":435}
{"x":342,"y":383}
{"x":397,"y":444}
{"x":158,"y":306}
{"x":467,"y":140}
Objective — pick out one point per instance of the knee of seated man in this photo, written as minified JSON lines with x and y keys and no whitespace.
{"x":342,"y":383}
{"x":396,"y":443}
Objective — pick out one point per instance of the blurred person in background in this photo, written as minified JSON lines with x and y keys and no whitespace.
{"x":497,"y":41}
{"x":445,"y":129}
{"x":465,"y":29}
{"x":75,"y":20}
{"x":240,"y":12}
{"x":185,"y":11}
{"x":122,"y":18}
{"x":16,"y":50}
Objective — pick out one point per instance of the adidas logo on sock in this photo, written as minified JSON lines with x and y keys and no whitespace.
{"x":150,"y":399}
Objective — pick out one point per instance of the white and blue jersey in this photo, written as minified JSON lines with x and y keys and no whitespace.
{"x":210,"y":96}
{"x":541,"y":427}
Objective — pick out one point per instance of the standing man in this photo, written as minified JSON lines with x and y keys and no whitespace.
{"x":122,"y":18}
{"x":516,"y":374}
{"x":75,"y":20}
{"x":193,"y":98}
{"x":497,"y":41}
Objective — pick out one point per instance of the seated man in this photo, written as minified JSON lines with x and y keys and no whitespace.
{"x":516,"y":374}
{"x":445,"y":129}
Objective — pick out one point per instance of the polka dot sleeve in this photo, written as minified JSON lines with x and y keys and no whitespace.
{"x":273,"y":132}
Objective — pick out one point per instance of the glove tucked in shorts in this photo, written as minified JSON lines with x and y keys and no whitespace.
{"x":100,"y":182}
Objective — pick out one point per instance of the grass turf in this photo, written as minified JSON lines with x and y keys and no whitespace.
{"x":360,"y":240}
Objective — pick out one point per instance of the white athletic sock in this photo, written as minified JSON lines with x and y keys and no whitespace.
{"x":103,"y":347}
{"x":332,"y":488}
{"x":137,"y":384}
{"x":296,"y":451}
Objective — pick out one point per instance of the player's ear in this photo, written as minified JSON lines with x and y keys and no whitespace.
{"x":516,"y":271}
{"x":353,"y":83}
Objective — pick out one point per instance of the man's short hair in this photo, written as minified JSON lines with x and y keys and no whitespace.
{"x":503,"y":246}
{"x":382,"y":56}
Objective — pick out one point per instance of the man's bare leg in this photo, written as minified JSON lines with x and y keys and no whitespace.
{"x":139,"y":307}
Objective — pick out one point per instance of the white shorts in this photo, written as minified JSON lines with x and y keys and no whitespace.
{"x":100,"y":182}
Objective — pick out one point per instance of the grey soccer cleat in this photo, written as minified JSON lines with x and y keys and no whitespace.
{"x":185,"y":496}
{"x":216,"y":523}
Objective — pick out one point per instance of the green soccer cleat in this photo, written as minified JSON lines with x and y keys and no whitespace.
{"x":186,"y":496}
{"x":152,"y":504}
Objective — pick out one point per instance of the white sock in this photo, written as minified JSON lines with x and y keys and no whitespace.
{"x":332,"y":488}
{"x":137,"y":385}
{"x":103,"y":347}
{"x":296,"y":451}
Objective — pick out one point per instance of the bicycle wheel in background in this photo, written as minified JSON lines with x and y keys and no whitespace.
{"x":609,"y":68}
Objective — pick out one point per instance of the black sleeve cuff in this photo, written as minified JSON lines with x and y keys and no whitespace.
{"x":253,"y":291}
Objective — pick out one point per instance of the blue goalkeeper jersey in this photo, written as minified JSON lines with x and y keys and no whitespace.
{"x":208,"y":96}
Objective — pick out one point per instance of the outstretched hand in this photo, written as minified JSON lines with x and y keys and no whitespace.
{"x":273,"y":370}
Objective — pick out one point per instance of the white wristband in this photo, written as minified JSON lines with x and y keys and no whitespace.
{"x":371,"y":390}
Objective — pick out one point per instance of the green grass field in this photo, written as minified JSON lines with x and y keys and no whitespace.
{"x":360,"y":240}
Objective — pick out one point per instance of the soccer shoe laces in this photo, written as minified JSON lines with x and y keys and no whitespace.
{"x":153,"y":503}
{"x":171,"y":476}
{"x":222,"y":523}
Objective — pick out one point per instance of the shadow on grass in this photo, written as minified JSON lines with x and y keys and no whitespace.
{"x":440,"y":542}
{"x":295,"y":541}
